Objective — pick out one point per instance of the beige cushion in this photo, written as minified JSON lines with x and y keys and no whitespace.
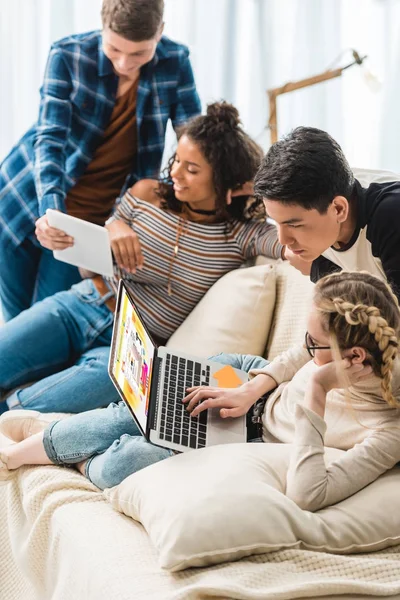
{"x":234,"y":316}
{"x":294,"y":293}
{"x":226,"y":502}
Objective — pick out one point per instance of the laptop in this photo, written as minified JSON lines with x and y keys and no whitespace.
{"x":153,"y":380}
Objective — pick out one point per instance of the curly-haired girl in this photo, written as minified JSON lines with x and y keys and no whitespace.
{"x":180,"y":237}
{"x":341,"y":389}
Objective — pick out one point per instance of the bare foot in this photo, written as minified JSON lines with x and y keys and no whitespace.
{"x":81,"y":466}
{"x":28,"y":452}
{"x":5,"y":444}
{"x":6,"y":458}
{"x":6,"y":472}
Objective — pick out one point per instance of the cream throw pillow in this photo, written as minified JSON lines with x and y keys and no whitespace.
{"x":294,"y":293}
{"x":226,"y":502}
{"x":234,"y":316}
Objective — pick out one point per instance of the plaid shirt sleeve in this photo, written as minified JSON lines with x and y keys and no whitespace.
{"x":188,"y":103}
{"x":52,"y":133}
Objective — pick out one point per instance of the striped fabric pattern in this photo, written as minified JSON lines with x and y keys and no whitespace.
{"x":77,"y":99}
{"x":206,"y":252}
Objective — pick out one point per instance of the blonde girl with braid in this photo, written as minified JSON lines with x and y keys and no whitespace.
{"x":341,"y":389}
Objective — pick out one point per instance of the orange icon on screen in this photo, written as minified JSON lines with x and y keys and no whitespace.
{"x":227,"y":377}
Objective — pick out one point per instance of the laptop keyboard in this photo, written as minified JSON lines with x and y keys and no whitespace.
{"x":177,"y":425}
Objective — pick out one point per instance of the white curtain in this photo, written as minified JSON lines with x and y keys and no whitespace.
{"x":27,"y":29}
{"x":240,"y":48}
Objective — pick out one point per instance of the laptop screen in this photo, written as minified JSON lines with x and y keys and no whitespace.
{"x":132,"y":359}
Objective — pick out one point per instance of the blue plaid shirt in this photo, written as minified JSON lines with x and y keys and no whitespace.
{"x":77,"y":99}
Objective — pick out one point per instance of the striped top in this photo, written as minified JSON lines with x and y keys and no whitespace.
{"x":206,"y":252}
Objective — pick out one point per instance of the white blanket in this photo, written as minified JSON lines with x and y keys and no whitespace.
{"x":61,"y":540}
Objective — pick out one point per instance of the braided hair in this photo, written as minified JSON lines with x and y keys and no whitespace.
{"x":359,"y":309}
{"x":233,"y":155}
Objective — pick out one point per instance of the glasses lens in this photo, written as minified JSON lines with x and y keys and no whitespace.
{"x":309,"y":344}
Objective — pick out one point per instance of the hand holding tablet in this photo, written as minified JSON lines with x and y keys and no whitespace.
{"x":91,"y":249}
{"x":51,"y":237}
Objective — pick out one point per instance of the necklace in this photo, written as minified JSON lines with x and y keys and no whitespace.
{"x":200,"y":211}
{"x":182,"y":225}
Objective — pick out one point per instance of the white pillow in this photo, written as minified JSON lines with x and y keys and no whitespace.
{"x":234,"y":316}
{"x":294,"y":293}
{"x":368,"y":176}
{"x":225,"y":502}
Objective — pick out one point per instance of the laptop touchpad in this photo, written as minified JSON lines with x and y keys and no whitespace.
{"x":222,"y":431}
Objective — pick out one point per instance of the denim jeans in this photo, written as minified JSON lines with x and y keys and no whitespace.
{"x":29,"y":273}
{"x":244,"y":362}
{"x":63,"y":344}
{"x":110,"y":440}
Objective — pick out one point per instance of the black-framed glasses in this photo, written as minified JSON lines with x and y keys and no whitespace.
{"x":311,"y":347}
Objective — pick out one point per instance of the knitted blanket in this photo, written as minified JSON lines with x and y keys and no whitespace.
{"x":61,"y":540}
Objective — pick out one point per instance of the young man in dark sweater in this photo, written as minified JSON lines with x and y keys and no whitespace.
{"x":326,"y":219}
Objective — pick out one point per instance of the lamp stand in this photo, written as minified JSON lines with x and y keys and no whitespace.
{"x":291,"y":86}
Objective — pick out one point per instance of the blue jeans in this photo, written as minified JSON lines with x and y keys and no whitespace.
{"x":63,"y":344}
{"x":244,"y":362}
{"x":110,"y":440}
{"x":29,"y":273}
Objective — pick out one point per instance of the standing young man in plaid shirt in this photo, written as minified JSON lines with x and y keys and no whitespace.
{"x":105,"y":103}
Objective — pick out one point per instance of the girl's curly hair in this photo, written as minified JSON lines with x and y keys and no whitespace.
{"x":234,"y":158}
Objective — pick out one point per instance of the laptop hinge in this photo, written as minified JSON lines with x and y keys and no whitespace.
{"x":155,"y":396}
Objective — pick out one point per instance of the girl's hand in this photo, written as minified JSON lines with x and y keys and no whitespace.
{"x":125,"y":246}
{"x":329,"y":377}
{"x":247,"y":189}
{"x":51,"y":237}
{"x":333,"y":375}
{"x":232,"y":402}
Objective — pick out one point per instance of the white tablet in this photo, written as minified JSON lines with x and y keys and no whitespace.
{"x":91,"y":249}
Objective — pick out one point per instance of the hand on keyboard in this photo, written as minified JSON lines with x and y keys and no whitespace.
{"x":231,"y":402}
{"x":175,"y":424}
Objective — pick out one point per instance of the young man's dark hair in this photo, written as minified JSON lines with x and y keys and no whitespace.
{"x":323,"y":215}
{"x":306,"y":167}
{"x":135,"y":21}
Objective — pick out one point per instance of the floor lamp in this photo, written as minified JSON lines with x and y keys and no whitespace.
{"x":291,"y":86}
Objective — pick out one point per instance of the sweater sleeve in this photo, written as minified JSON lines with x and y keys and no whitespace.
{"x":259,"y":238}
{"x":384,"y":234}
{"x":285,"y":366}
{"x":312,"y":485}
